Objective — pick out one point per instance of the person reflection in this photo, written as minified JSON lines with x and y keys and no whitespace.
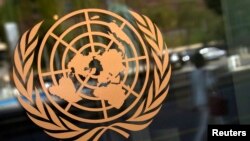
{"x":201,"y":81}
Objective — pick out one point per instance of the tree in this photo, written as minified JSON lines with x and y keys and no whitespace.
{"x":184,"y":22}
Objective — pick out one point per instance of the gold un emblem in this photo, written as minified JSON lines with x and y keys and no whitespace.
{"x":96,"y":73}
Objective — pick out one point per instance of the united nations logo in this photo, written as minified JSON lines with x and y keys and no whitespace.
{"x":95,"y":87}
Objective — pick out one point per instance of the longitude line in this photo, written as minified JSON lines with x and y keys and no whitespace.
{"x":104,"y":109}
{"x":109,"y":45}
{"x":63,"y":42}
{"x":130,"y":90}
{"x":89,"y":31}
{"x":55,"y":72}
{"x":86,"y":79}
{"x":123,"y":25}
{"x":68,"y":106}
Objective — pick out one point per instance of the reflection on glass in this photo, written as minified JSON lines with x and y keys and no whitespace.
{"x":214,"y":92}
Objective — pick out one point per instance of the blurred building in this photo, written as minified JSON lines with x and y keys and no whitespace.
{"x":237,"y":21}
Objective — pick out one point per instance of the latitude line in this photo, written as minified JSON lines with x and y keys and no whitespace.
{"x":55,"y":72}
{"x":105,"y":113}
{"x":89,"y":32}
{"x":135,"y":58}
{"x":126,"y":70}
{"x":64,"y":43}
{"x":130,"y":90}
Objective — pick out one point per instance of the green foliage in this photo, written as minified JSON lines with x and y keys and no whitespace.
{"x":8,"y":11}
{"x":24,"y":10}
{"x":183,"y":22}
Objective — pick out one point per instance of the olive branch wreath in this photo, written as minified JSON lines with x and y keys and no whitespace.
{"x":58,"y":127}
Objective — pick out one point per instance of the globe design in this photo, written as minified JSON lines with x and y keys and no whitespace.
{"x":101,"y":56}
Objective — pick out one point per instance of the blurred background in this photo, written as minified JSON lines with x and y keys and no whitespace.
{"x":213,"y":90}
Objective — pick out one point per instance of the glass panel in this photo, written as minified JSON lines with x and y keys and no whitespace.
{"x":208,"y":46}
